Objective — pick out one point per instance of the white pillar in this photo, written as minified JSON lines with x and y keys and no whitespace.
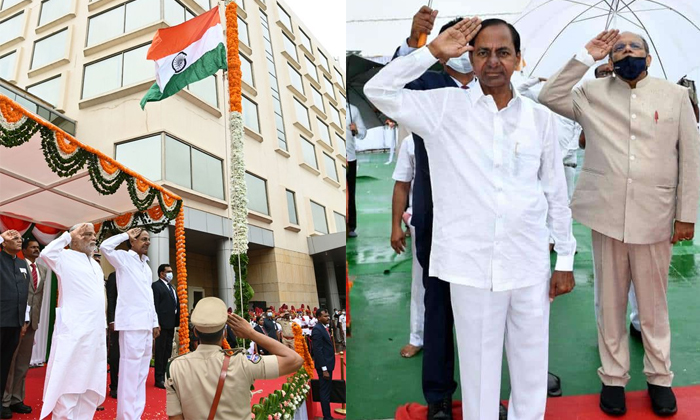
{"x":334,"y":299}
{"x":159,"y":251}
{"x":226,"y":275}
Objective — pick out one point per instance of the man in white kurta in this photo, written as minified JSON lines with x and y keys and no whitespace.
{"x":498,"y":182}
{"x":135,"y":318}
{"x":77,"y":370}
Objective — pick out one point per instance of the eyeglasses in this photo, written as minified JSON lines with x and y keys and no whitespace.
{"x":634,"y":46}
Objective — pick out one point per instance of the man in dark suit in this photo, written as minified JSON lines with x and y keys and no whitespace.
{"x":113,"y":350}
{"x":260,"y":327}
{"x":324,"y":359}
{"x":168,"y":310}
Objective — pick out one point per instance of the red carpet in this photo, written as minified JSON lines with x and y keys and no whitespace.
{"x":585,"y":407}
{"x":155,"y":397}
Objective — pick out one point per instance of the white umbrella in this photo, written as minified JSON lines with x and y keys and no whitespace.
{"x":553,"y":31}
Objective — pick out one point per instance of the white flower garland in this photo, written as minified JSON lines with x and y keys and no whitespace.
{"x":239,"y":199}
{"x":12,"y":126}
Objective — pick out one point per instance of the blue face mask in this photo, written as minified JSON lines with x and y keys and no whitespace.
{"x":629,"y":68}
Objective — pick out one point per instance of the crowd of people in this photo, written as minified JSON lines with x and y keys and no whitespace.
{"x":126,"y":320}
{"x":485,"y":184}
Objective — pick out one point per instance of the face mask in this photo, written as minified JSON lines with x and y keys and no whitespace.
{"x":461,"y":64}
{"x":269,"y":314}
{"x":343,"y":312}
{"x":169,"y":277}
{"x":629,"y":68}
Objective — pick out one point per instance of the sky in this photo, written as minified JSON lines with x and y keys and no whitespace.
{"x":326,"y":20}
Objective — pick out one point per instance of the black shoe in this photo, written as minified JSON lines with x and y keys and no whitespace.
{"x":441,"y":410}
{"x":553,"y":385}
{"x":21,"y":408}
{"x":612,"y":400}
{"x":635,"y":333}
{"x":502,"y":412}
{"x":113,"y":393}
{"x":6,"y":413}
{"x":100,"y":408}
{"x":663,"y":401}
{"x":160,"y":385}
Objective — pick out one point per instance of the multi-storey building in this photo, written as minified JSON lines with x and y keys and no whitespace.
{"x":88,"y":60}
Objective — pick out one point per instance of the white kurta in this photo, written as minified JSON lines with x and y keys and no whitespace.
{"x":78,"y":359}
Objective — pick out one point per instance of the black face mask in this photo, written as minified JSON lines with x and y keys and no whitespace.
{"x":629,"y":68}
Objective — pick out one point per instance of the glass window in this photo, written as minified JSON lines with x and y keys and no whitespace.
{"x":246,"y":70}
{"x":311,"y":68}
{"x":140,"y":13}
{"x":206,"y":90}
{"x":295,"y":77}
{"x":319,"y":214}
{"x":49,"y":90}
{"x":240,"y":3}
{"x":324,"y":61}
{"x":290,"y":48}
{"x":335,"y":114}
{"x":309,"y":152}
{"x":331,"y":170}
{"x":188,"y":15}
{"x":339,"y":76}
{"x":143,"y":156}
{"x":11,"y":28}
{"x":207,"y":174}
{"x":285,"y":18}
{"x":205,"y":4}
{"x":329,"y":87}
{"x":306,"y":41}
{"x":341,"y":101}
{"x":50,"y":49}
{"x":6,"y":4}
{"x":105,"y":26}
{"x":7,"y":65}
{"x":257,"y":193}
{"x":102,"y":76}
{"x":341,"y":144}
{"x":243,"y":32}
{"x":318,"y":99}
{"x":292,"y":208}
{"x":325,"y":132}
{"x":339,"y":222}
{"x":52,"y":10}
{"x":136,"y":67}
{"x":302,"y":113}
{"x":174,"y":12}
{"x":250,"y":114}
{"x":177,"y":162}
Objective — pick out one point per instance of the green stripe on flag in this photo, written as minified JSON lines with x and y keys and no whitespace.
{"x":208,"y":64}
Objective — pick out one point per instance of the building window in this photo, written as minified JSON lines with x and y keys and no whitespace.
{"x":7,"y":65}
{"x":306,"y":41}
{"x":325,"y":132}
{"x":324,"y":62}
{"x":292,"y":207}
{"x":204,"y":4}
{"x":52,"y":10}
{"x":342,"y":102}
{"x":240,"y":3}
{"x":257,"y":194}
{"x":247,"y":70}
{"x":331,"y":170}
{"x":175,"y":13}
{"x":339,"y":222}
{"x":335,"y":114}
{"x":206,"y":90}
{"x":302,"y":114}
{"x":295,"y":78}
{"x":123,"y":69}
{"x":290,"y":48}
{"x":318,"y":99}
{"x":143,"y":156}
{"x":285,"y":19}
{"x":243,"y":32}
{"x":48,"y":90}
{"x":129,"y":17}
{"x":50,"y":49}
{"x":329,"y":87}
{"x":11,"y":28}
{"x":339,"y":76}
{"x":274,"y":84}
{"x":311,"y":68}
{"x":341,"y":144}
{"x":318,"y":212}
{"x":6,"y":4}
{"x":193,"y":169}
{"x":309,"y":152}
{"x":178,"y":165}
{"x":250,"y":115}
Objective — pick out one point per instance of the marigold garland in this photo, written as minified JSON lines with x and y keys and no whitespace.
{"x":301,"y":348}
{"x":233,"y":60}
{"x":181,"y":264}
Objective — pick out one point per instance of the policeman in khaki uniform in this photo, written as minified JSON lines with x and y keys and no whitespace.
{"x":192,"y":379}
{"x":287,"y":332}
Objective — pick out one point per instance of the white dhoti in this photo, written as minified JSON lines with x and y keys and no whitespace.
{"x":417,"y":297}
{"x":482,"y":319}
{"x":76,"y":406}
{"x":135,"y":347}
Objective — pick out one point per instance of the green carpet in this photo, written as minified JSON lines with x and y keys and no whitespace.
{"x":380,"y":380}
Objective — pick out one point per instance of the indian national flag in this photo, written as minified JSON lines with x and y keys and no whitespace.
{"x":186,"y":53}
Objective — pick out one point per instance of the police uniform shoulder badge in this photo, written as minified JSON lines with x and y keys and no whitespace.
{"x":254,"y":358}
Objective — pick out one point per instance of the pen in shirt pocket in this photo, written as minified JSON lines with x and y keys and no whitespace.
{"x":656,"y":117}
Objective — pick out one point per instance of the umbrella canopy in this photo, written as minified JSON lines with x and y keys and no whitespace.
{"x":553,"y":31}
{"x":359,"y":70}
